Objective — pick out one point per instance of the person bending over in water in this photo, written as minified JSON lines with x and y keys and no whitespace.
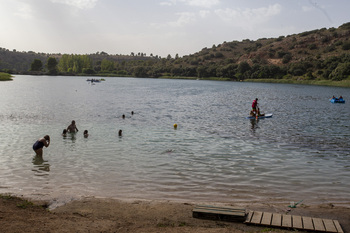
{"x":86,"y":134}
{"x":40,"y":143}
{"x":72,"y":128}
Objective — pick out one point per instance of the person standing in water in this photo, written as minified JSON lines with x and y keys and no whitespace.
{"x":255,"y":105}
{"x":72,"y":128}
{"x":40,"y":143}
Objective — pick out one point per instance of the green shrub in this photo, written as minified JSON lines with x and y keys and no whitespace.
{"x":346,"y":46}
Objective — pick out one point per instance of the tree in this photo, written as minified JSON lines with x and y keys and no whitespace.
{"x":36,"y":65}
{"x":243,"y":67}
{"x":346,"y":46}
{"x":341,"y":72}
{"x":107,"y":66}
{"x":52,"y":65}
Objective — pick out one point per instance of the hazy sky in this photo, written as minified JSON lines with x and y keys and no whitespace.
{"x":160,"y":27}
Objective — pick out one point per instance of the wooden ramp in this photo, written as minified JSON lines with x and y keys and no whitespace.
{"x":219,"y":213}
{"x":293,"y":222}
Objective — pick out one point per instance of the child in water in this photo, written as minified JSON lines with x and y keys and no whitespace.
{"x":86,"y":134}
{"x":64,"y":133}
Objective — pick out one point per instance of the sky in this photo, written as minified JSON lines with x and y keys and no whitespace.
{"x":157,"y":27}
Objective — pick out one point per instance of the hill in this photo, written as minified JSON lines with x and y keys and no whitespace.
{"x":318,"y":54}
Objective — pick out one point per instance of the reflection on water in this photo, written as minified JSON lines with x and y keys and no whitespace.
{"x":72,"y":136}
{"x":254,"y":125}
{"x":41,"y":167}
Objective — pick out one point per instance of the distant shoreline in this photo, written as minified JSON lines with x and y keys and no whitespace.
{"x":343,"y":83}
{"x":295,"y":80}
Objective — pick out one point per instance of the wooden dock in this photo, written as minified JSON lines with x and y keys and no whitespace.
{"x":219,"y":213}
{"x":293,"y":222}
{"x":267,"y":219}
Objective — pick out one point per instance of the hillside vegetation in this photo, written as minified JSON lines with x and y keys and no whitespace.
{"x":322,"y":54}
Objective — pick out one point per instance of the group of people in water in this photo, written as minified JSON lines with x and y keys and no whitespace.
{"x":72,"y":128}
{"x":45,"y":141}
{"x":255,"y":112}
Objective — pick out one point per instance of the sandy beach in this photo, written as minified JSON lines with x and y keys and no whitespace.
{"x":109,"y":215}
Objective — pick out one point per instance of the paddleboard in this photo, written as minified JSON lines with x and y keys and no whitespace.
{"x":261,"y":117}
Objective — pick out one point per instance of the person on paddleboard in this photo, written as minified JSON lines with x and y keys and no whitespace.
{"x":255,"y":105}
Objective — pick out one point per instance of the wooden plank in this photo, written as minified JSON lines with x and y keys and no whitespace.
{"x":337,"y":225}
{"x":329,"y":225}
{"x":297,"y":222}
{"x":228,"y":209}
{"x":266,"y":219}
{"x":249,"y":217}
{"x":308,"y":224}
{"x":224,"y":212}
{"x":276,"y":220}
{"x":220,"y":210}
{"x":318,"y":224}
{"x":219,"y":213}
{"x":286,"y":220}
{"x":256,"y":219}
{"x":219,"y":207}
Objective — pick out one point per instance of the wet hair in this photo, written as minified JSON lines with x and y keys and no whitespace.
{"x":85,"y":132}
{"x":47,"y":137}
{"x":73,"y":122}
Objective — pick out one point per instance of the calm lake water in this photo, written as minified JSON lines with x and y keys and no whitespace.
{"x":214,"y":155}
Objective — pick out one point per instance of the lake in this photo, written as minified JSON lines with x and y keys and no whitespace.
{"x":214,"y":155}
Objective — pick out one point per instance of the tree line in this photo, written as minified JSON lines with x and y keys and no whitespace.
{"x":332,"y":68}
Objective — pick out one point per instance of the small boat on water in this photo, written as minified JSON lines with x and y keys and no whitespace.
{"x":94,"y":80}
{"x":339,"y":100}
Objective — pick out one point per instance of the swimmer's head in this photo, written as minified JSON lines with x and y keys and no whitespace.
{"x":47,"y":137}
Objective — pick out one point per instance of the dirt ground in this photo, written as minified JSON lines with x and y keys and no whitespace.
{"x":109,"y":215}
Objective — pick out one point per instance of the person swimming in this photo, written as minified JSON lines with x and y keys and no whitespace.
{"x":86,"y":134}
